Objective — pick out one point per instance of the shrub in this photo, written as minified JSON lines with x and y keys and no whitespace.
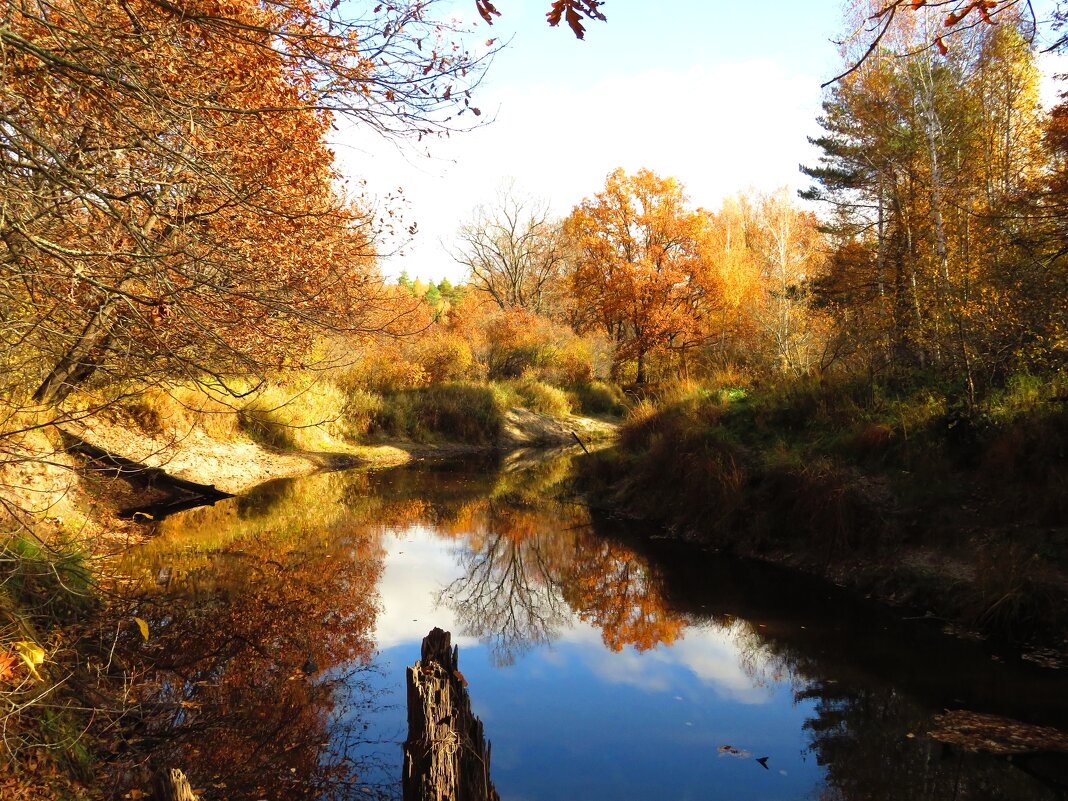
{"x":462,"y":411}
{"x":517,"y":342}
{"x":540,"y":397}
{"x":597,"y":397}
{"x":444,"y":357}
{"x":383,"y":367}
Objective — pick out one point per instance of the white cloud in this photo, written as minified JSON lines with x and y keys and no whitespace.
{"x":418,"y":564}
{"x":718,"y":129}
{"x":708,"y":653}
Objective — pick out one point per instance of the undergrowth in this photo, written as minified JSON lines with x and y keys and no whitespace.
{"x":844,"y":469}
{"x":44,"y":591}
{"x":338,"y":414}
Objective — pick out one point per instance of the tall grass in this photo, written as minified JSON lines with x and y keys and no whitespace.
{"x":337,"y":413}
{"x":461,"y":411}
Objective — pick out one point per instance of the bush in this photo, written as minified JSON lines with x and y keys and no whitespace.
{"x":462,"y":411}
{"x":517,"y":343}
{"x":538,"y":396}
{"x":598,"y":397}
{"x":444,"y":357}
{"x":383,"y":368}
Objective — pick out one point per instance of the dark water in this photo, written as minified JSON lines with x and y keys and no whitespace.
{"x":604,"y":663}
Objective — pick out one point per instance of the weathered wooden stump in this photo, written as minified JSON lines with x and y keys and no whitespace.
{"x":172,"y":785}
{"x":446,"y":757}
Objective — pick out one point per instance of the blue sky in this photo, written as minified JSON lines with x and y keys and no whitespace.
{"x":720,"y":94}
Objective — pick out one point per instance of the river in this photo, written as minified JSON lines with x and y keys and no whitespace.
{"x":606,"y":660}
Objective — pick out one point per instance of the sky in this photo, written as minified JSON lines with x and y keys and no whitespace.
{"x":720,"y":94}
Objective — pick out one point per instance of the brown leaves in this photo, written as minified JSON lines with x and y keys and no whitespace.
{"x":982,"y":8}
{"x":573,"y":11}
{"x":487,"y":10}
{"x":975,"y":731}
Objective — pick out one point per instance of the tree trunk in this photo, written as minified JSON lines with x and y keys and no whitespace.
{"x":640,"y":379}
{"x":446,"y":757}
{"x":81,"y":359}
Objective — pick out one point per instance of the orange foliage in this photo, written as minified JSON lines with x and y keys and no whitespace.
{"x":612,"y":588}
{"x":183,"y":210}
{"x":526,"y":560}
{"x":640,"y":265}
{"x":239,"y":658}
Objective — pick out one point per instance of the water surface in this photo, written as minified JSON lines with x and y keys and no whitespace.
{"x":605,"y":663}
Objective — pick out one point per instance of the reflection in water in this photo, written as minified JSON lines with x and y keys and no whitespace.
{"x":529,"y":570}
{"x":604,"y":667}
{"x":250,"y":605}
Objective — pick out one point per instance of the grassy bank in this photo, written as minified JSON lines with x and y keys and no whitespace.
{"x":897,"y":493}
{"x":46,"y":595}
{"x":334,"y":415}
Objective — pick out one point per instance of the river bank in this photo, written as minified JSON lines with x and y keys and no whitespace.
{"x":277,"y":563}
{"x":943,"y":516}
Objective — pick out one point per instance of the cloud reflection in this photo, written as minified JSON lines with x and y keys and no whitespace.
{"x":419,"y":564}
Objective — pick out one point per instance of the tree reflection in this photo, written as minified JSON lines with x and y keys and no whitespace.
{"x":529,"y":569}
{"x":261,"y":614}
{"x":873,"y":745}
{"x":617,"y":591}
{"x":253,"y":629}
{"x":509,"y":596}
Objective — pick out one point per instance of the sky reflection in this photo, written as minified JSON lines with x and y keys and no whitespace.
{"x":574,"y":718}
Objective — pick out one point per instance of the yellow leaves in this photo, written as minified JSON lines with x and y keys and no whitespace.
{"x":142,"y":625}
{"x":32,"y":656}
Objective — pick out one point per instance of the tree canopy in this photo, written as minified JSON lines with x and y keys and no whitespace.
{"x":170,"y":201}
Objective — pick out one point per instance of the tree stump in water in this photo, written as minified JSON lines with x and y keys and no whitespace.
{"x":172,"y":785}
{"x":446,"y":757}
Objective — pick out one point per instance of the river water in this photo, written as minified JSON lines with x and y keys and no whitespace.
{"x":605,"y":661}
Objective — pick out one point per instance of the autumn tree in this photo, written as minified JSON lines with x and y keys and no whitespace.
{"x":639,"y":266}
{"x":170,"y":202}
{"x":766,"y":252}
{"x":924,"y":154}
{"x":513,"y":251}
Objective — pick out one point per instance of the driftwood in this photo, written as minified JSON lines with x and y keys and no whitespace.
{"x":181,"y":493}
{"x":172,"y":785}
{"x":446,"y":757}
